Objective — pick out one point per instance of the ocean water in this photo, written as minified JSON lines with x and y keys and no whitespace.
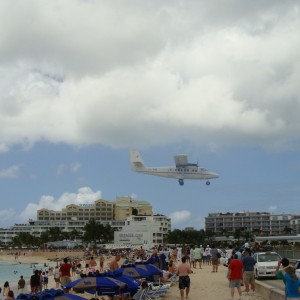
{"x":11,"y":272}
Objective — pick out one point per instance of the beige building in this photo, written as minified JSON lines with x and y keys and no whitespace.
{"x":125,"y":205}
{"x":101,"y":211}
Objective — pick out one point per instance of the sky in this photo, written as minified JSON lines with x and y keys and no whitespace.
{"x":82,"y":82}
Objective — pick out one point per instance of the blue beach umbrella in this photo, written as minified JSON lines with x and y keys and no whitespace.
{"x":98,"y":283}
{"x":133,"y":271}
{"x":132,"y":283}
{"x":153,"y":270}
{"x":51,"y":294}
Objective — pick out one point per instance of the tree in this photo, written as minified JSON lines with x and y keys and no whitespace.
{"x":134,"y":211}
{"x":24,"y":239}
{"x":95,"y":232}
{"x":287,"y":230}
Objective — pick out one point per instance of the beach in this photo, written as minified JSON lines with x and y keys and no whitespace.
{"x":204,"y":283}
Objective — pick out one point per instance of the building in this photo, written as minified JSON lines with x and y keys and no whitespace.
{"x":101,"y":211}
{"x":259,"y":223}
{"x":124,"y":207}
{"x":143,"y":230}
{"x":75,"y":217}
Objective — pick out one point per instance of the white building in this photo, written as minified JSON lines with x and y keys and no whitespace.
{"x":143,"y":230}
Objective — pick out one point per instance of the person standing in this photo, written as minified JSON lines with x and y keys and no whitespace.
{"x":291,"y":283}
{"x":183,"y":272}
{"x":21,"y":285}
{"x":192,"y":256}
{"x":101,"y":263}
{"x":248,"y":271}
{"x":56,"y":276}
{"x":35,"y":282}
{"x":235,"y":275}
{"x":92,"y":265}
{"x":198,"y":257}
{"x":214,"y":258}
{"x":114,"y":265}
{"x":207,"y":255}
{"x":65,"y":272}
{"x":6,"y":288}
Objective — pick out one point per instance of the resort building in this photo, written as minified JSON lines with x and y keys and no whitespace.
{"x":259,"y":223}
{"x":125,"y":214}
{"x":101,"y":211}
{"x":143,"y":230}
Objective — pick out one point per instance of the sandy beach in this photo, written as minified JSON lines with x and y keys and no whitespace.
{"x":204,"y":283}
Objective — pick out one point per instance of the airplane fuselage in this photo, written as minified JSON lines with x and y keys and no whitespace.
{"x":190,"y":172}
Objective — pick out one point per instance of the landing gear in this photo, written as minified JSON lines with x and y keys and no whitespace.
{"x":207,"y":182}
{"x":181,"y":182}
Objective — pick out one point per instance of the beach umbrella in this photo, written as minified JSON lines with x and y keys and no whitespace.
{"x":51,"y":294}
{"x":133,"y":271}
{"x":153,"y":270}
{"x":98,"y":283}
{"x":131,"y":283}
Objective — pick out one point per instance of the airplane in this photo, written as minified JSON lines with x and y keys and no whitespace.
{"x":182,"y":169}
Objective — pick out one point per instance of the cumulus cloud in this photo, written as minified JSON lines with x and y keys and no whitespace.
{"x":84,"y":195}
{"x":179,"y":218}
{"x":10,"y":172}
{"x":180,"y":68}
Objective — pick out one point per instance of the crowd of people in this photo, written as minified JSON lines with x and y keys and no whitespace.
{"x":181,"y":261}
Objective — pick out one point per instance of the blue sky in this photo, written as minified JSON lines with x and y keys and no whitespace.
{"x":83,"y":81}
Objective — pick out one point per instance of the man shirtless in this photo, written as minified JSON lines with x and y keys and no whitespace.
{"x":114,"y":265}
{"x":183,"y":272}
{"x":92,"y":265}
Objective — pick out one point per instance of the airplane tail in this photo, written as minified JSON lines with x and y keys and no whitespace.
{"x":136,"y":160}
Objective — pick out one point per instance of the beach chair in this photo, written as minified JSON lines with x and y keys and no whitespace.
{"x":172,"y":279}
{"x":157,"y":291}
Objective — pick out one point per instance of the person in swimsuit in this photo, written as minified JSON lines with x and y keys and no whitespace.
{"x":183,"y":272}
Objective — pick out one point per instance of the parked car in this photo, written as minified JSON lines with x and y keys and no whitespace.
{"x":297,"y":267}
{"x":266,"y":263}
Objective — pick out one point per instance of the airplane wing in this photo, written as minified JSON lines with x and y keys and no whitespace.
{"x":181,"y":160}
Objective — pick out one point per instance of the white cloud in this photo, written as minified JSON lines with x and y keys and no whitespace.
{"x":179,"y":218}
{"x":10,"y":172}
{"x":230,"y":74}
{"x":85,"y":195}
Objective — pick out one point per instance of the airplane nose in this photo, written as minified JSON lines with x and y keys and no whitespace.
{"x":214,"y":175}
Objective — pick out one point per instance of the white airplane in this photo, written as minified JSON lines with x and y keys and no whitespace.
{"x":182,"y":169}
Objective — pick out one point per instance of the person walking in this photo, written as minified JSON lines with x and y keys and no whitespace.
{"x":183,"y":272}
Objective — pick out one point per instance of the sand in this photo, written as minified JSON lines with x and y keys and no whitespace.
{"x":204,"y":283}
